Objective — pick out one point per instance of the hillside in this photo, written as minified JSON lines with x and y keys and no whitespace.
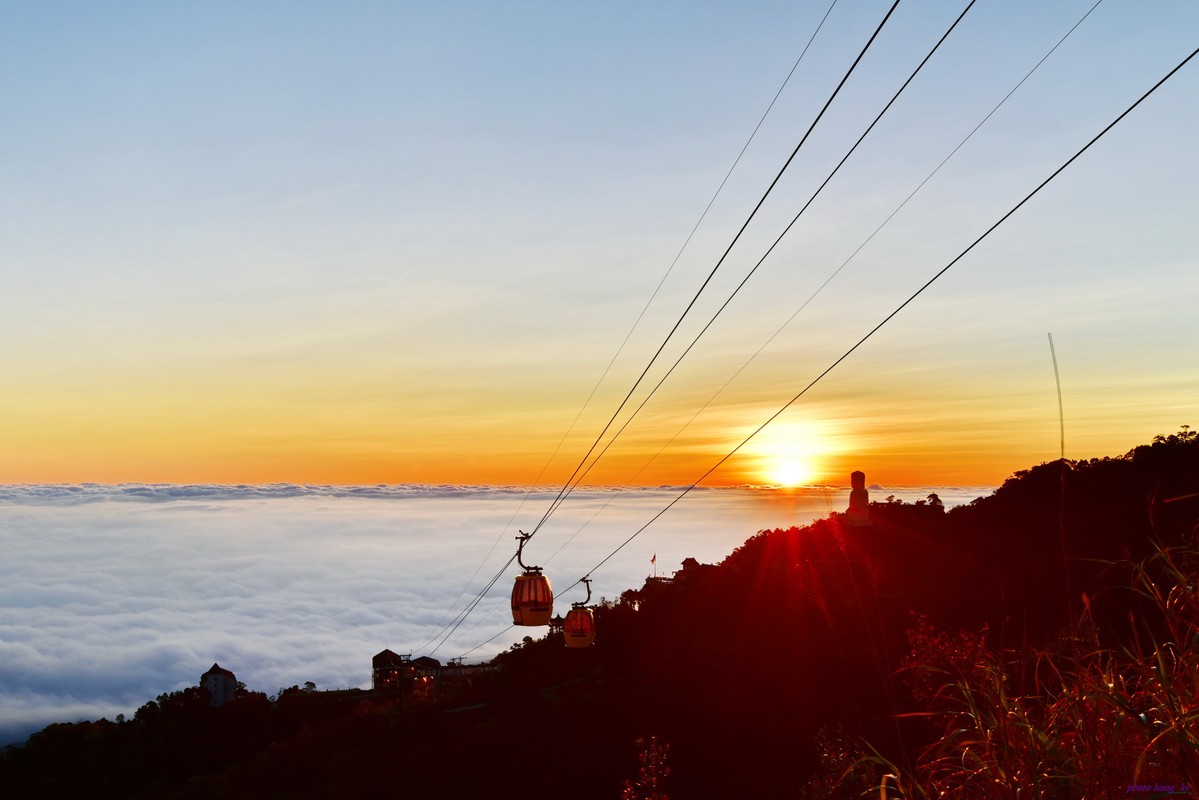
{"x":758,"y":673}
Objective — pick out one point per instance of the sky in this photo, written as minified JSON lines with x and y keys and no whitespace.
{"x":390,"y":243}
{"x":111,"y":596}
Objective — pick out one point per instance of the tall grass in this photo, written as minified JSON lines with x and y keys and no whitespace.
{"x":1073,"y":720}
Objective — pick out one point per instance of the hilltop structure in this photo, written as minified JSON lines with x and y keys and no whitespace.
{"x":416,"y":677}
{"x":388,"y":670}
{"x":220,"y":683}
{"x":858,"y":512}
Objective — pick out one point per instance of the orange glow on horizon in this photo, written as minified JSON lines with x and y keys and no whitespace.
{"x":135,"y":436}
{"x":161,"y":456}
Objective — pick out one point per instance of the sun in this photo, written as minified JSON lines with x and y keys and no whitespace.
{"x":790,"y":472}
{"x":788,"y":455}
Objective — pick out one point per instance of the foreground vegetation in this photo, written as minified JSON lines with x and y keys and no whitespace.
{"x":1075,"y":719}
{"x":1040,"y":642}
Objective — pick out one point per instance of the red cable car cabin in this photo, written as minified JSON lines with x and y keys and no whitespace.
{"x":579,"y":627}
{"x":532,"y":600}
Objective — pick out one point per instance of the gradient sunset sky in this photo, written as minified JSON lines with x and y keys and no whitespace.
{"x":384,"y":243}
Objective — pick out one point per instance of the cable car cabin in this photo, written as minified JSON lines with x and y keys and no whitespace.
{"x":532,"y":600}
{"x":579,"y":627}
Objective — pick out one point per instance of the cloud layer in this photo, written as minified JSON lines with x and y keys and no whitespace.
{"x":110,"y":595}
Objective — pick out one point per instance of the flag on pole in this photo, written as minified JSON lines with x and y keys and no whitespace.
{"x":654,"y":560}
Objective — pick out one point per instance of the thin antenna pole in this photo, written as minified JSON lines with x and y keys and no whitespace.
{"x":1061,"y":416}
{"x":1061,"y":497}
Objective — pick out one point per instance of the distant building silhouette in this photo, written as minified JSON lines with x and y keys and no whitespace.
{"x":388,"y":670}
{"x":858,"y":512}
{"x":220,"y":683}
{"x":416,"y":678}
{"x":426,"y":675}
{"x":692,"y":570}
{"x":425,"y":665}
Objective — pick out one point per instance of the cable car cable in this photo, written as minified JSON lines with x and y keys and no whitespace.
{"x":914,"y":192}
{"x":576,"y":477}
{"x":637,"y":322}
{"x":777,"y":240}
{"x":565,"y":489}
{"x":484,"y":621}
{"x":729,"y":174}
{"x":858,"y":249}
{"x":899,"y":308}
{"x":935,"y":277}
{"x":820,"y":288}
{"x":703,"y":215}
{"x":572,"y":483}
{"x":736,"y":161}
{"x":489,"y":641}
{"x":475,"y":574}
{"x":462,"y":615}
{"x":472,"y":605}
{"x":834,"y":274}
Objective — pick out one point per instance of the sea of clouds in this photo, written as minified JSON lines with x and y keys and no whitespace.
{"x":112,"y":595}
